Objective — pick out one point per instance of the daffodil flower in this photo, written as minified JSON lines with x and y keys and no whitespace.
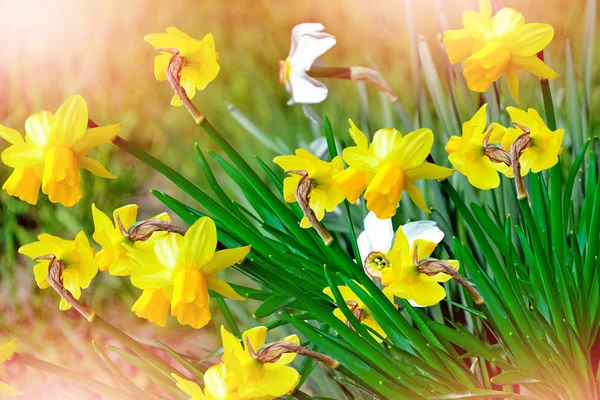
{"x":404,"y":279}
{"x":375,"y":242}
{"x":54,"y":149}
{"x":6,"y":352}
{"x":359,"y":309}
{"x":500,"y":44}
{"x":324,"y":196}
{"x":391,"y":164}
{"x":247,"y":376}
{"x":80,"y":266}
{"x":467,"y":152}
{"x":308,"y":44}
{"x":545,"y":144}
{"x":182,"y":269}
{"x":113,"y":257}
{"x":200,"y":65}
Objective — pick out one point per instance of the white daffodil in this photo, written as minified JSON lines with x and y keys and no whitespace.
{"x":376,"y":240}
{"x":308,"y":44}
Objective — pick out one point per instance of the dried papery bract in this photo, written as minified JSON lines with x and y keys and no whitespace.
{"x":273,"y":352}
{"x":435,"y":267}
{"x":305,"y":186}
{"x":367,"y":75}
{"x":142,"y":231}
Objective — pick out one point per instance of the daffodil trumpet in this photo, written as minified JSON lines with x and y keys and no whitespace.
{"x":432,"y":267}
{"x":302,"y":194}
{"x":273,"y":352}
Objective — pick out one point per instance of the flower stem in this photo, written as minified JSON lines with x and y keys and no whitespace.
{"x":82,"y":380}
{"x":548,"y":103}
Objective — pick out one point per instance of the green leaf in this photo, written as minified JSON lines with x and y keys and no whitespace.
{"x":272,"y":304}
{"x":510,"y":378}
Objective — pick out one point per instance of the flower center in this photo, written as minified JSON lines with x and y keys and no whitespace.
{"x":375,"y":262}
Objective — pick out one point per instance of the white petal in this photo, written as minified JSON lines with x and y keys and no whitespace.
{"x":380,"y":232}
{"x":426,"y":230}
{"x":364,"y":246}
{"x":305,"y":89}
{"x":308,"y":48}
{"x":302,"y":29}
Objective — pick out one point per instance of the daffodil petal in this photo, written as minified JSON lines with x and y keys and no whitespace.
{"x":10,"y":135}
{"x":23,"y":155}
{"x":199,"y":243}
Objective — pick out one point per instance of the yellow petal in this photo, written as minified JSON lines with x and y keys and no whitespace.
{"x":477,"y":25}
{"x":188,"y":282}
{"x":454,"y":144}
{"x":361,"y":159}
{"x":358,"y":136}
{"x":415,"y":148}
{"x":416,"y":196}
{"x":277,"y":379}
{"x":485,"y":8}
{"x":459,"y":44}
{"x":190,"y":388}
{"x":23,"y":183}
{"x":486,"y":66}
{"x":95,"y":137}
{"x":460,"y":161}
{"x":256,"y":336}
{"x":371,"y":323}
{"x":532,"y":39}
{"x":95,"y":167}
{"x":386,"y":142}
{"x":127,"y":214}
{"x":215,"y":383}
{"x":225,"y":258}
{"x":535,"y":66}
{"x":10,"y":135}
{"x":482,"y":174}
{"x":478,"y":122}
{"x":445,"y":277}
{"x":192,"y":314}
{"x":70,"y":123}
{"x":40,"y":273}
{"x":290,"y":184}
{"x":168,"y":250}
{"x":161,"y":63}
{"x":24,"y":155}
{"x":6,"y":350}
{"x":508,"y":21}
{"x":428,"y":171}
{"x":152,"y":305}
{"x":39,"y":127}
{"x":224,"y":289}
{"x":199,"y":243}
{"x":230,"y":342}
{"x":426,"y":293}
{"x":385,"y":191}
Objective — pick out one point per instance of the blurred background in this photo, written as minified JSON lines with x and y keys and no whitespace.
{"x":50,"y":50}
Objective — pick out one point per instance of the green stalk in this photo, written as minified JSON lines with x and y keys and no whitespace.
{"x":64,"y":373}
{"x":228,"y":317}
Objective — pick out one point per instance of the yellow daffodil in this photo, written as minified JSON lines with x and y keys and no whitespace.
{"x":80,"y":266}
{"x":324,"y":196}
{"x":201,"y":59}
{"x":215,"y":386}
{"x":545,"y":146}
{"x":500,"y":44}
{"x":467,"y":152}
{"x":181,"y":269}
{"x":54,"y":149}
{"x":6,"y":352}
{"x":404,"y":279}
{"x":113,"y":256}
{"x":359,"y":309}
{"x":390,"y":165}
{"x":247,"y":376}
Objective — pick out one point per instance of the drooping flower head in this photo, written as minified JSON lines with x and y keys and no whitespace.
{"x":325,"y":195}
{"x":113,"y":257}
{"x":391,"y":164}
{"x":179,"y":271}
{"x":80,"y":266}
{"x":54,"y":149}
{"x":308,"y":44}
{"x":359,"y":309}
{"x":6,"y":352}
{"x":467,"y":152}
{"x":200,"y":65}
{"x":500,"y":44}
{"x":405,"y":280}
{"x":375,"y":242}
{"x":545,"y":145}
{"x":247,"y":375}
